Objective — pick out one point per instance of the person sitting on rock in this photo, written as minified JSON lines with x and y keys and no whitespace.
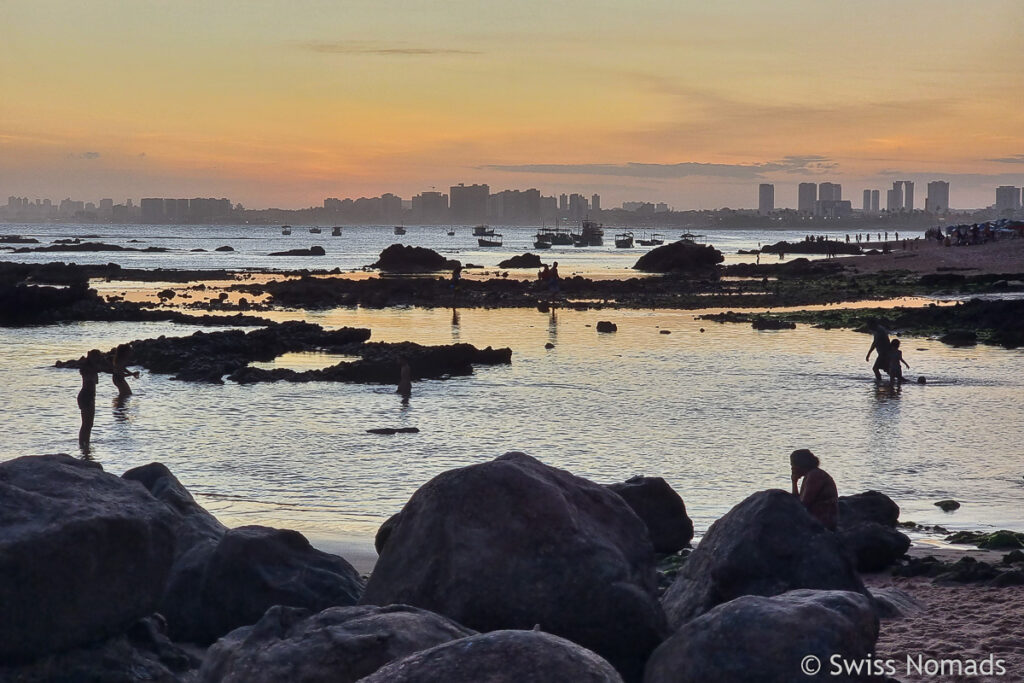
{"x":881,"y":344}
{"x":818,"y":492}
{"x":895,"y":358}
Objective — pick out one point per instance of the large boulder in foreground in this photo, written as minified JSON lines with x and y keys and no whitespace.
{"x":679,"y":257}
{"x":500,"y":657}
{"x":514,"y":543}
{"x":766,"y":639}
{"x":337,"y":645}
{"x":872,"y":546}
{"x":399,"y":258}
{"x":766,"y":545}
{"x":83,"y":554}
{"x":219,"y":586}
{"x":194,"y":523}
{"x":661,"y":509}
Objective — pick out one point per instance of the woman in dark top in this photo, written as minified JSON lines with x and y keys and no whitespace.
{"x":818,"y":492}
{"x":90,"y":372}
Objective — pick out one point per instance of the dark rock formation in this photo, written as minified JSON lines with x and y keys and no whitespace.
{"x":388,"y":431}
{"x":681,"y":256}
{"x":766,"y":545}
{"x":948,"y":505}
{"x":526,"y":260}
{"x":873,"y":546}
{"x":194,"y":523}
{"x":661,"y":509}
{"x":87,"y":246}
{"x":514,"y":543}
{"x":500,"y":657}
{"x":766,"y":639}
{"x":869,"y":506}
{"x":606,"y":326}
{"x":219,"y":586}
{"x":312,"y":251}
{"x":812,"y":247}
{"x":142,"y":653}
{"x":337,"y":645}
{"x":227,"y":247}
{"x":384,"y":532}
{"x":763,"y":323}
{"x":83,"y":554}
{"x":399,"y":258}
{"x":960,"y":338}
{"x":17,"y":239}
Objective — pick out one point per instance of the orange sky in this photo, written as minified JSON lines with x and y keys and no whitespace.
{"x":275,"y":103}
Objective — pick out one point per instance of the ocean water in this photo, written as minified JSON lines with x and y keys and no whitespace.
{"x":716,"y":412}
{"x":358,"y":246}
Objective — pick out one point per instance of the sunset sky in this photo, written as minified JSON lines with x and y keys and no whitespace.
{"x":275,"y":103}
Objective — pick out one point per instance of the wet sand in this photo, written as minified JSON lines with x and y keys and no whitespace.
{"x":929,"y":256}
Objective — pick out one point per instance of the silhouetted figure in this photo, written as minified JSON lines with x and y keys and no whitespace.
{"x":895,"y":358}
{"x":120,"y":372}
{"x":404,"y":380}
{"x":90,"y":372}
{"x":818,"y":492}
{"x":880,"y":344}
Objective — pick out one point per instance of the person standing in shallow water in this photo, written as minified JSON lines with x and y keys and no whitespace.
{"x":404,"y":380}
{"x":880,"y":344}
{"x":818,"y":492}
{"x":120,"y":372}
{"x":90,"y":372}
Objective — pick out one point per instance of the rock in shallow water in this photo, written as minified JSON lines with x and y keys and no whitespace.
{"x":337,"y":645}
{"x":512,"y":543}
{"x":500,"y":657}
{"x":83,"y":554}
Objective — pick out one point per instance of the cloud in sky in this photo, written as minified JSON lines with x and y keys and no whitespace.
{"x":86,"y":155}
{"x":790,"y":164}
{"x":369,"y":47}
{"x":1013,"y":159}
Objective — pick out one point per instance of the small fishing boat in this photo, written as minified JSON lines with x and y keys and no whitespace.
{"x":399,"y":230}
{"x":491,"y":240}
{"x":286,"y":229}
{"x":541,"y":244}
{"x":624,"y":240}
{"x":315,"y":231}
{"x":451,"y":233}
{"x":591,"y":234}
{"x":336,"y":231}
{"x":653,"y":241}
{"x":692,"y":238}
{"x":483,"y":231}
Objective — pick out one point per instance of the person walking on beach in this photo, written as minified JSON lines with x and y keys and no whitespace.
{"x":90,"y":372}
{"x":880,"y":344}
{"x":120,"y":372}
{"x":818,"y":491}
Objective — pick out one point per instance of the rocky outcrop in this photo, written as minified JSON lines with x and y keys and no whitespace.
{"x":767,"y":545}
{"x":680,"y":257}
{"x":768,"y":638}
{"x":526,"y":260}
{"x":337,"y":645}
{"x":661,"y":509}
{"x":500,"y":657}
{"x":218,"y":586}
{"x":399,"y":258}
{"x":873,"y":546}
{"x":514,"y":543}
{"x":88,"y":246}
{"x":606,"y":326}
{"x":869,"y":506}
{"x":83,"y":554}
{"x":812,"y":247}
{"x":312,"y":251}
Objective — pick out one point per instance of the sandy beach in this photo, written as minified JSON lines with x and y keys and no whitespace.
{"x":928,"y":256}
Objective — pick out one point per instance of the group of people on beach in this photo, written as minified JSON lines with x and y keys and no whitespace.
{"x":889,"y":357}
{"x":94,"y":363}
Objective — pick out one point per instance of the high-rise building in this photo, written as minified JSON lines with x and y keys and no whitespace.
{"x":807,"y":195}
{"x":830,"y":192}
{"x":390,"y":207}
{"x":468,"y":203}
{"x":937,"y":200}
{"x":578,"y":206}
{"x":152,"y":210}
{"x":908,"y":195}
{"x":563,"y":202}
{"x":430,"y":207}
{"x":595,"y":202}
{"x":875,"y":206}
{"x":1007,"y":198}
{"x":866,"y":208}
{"x":894,"y":198}
{"x":765,"y":198}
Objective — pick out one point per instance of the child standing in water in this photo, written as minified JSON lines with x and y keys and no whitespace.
{"x":120,"y":372}
{"x":895,"y":358}
{"x":90,"y":372}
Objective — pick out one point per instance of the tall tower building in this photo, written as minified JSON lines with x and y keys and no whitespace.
{"x":807,"y":195}
{"x":937,"y":199}
{"x":894,"y":198}
{"x":875,"y":205}
{"x":1007,"y":198}
{"x":830,"y":192}
{"x":908,"y":195}
{"x":765,"y":198}
{"x":595,"y":202}
{"x":563,"y":202}
{"x":468,"y":204}
{"x":866,"y":208}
